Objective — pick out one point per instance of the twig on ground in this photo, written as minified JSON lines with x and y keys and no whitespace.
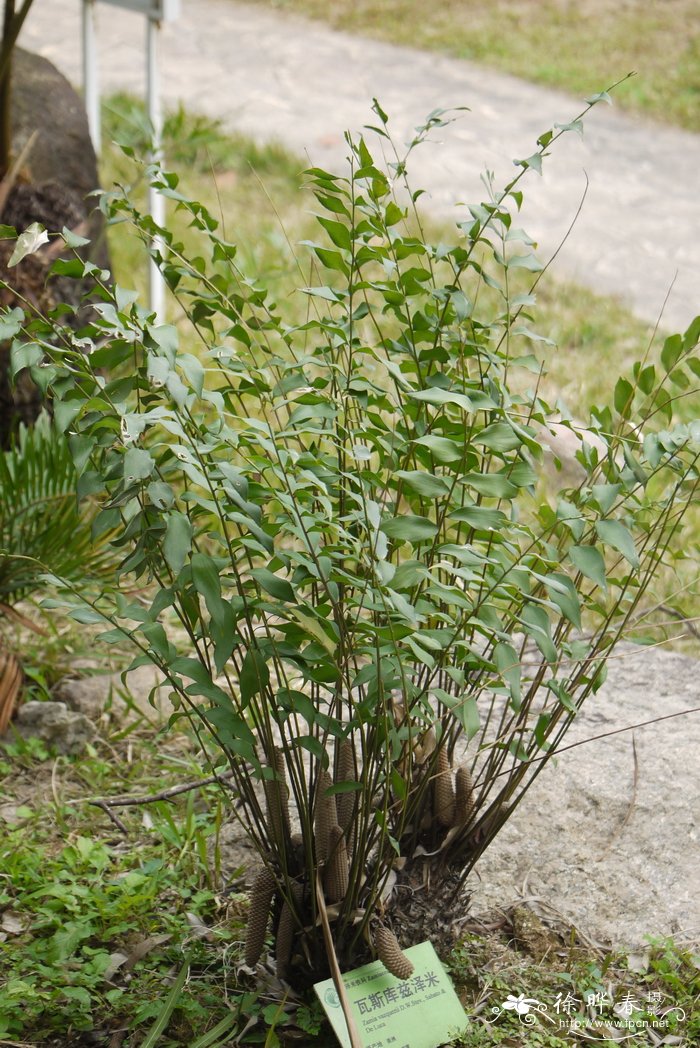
{"x":110,"y":815}
{"x":630,"y":807}
{"x":108,"y":803}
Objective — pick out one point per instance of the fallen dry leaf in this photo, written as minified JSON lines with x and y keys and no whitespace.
{"x":12,"y":923}
{"x":10,"y":686}
{"x":140,"y":949}
{"x":199,"y":928}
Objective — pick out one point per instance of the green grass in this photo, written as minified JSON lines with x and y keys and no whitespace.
{"x":579,"y":47}
{"x":94,"y":922}
{"x":95,"y":925}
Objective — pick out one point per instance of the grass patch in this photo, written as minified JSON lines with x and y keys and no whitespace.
{"x":578,"y":47}
{"x":92,"y":924}
{"x":96,"y":925}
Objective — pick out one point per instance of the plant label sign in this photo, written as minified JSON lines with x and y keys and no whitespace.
{"x":421,"y":1012}
{"x":158,"y":10}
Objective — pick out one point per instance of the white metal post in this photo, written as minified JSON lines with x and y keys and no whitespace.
{"x":155,"y":11}
{"x":91,"y":84}
{"x":156,"y":201}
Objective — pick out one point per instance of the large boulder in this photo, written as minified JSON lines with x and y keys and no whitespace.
{"x":45,"y":102}
{"x":608,"y":836}
{"x":54,"y":188}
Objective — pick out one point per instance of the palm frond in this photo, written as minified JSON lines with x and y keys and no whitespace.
{"x":42,"y":525}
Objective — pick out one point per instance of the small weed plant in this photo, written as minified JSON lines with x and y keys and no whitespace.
{"x":348,"y":572}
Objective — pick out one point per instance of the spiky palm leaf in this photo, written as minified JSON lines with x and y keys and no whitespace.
{"x":42,"y":525}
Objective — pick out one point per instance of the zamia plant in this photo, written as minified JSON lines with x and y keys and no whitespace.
{"x":387,"y":628}
{"x":42,"y":527}
{"x":41,"y":523}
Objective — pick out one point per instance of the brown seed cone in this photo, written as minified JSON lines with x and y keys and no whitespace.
{"x":325,"y":814}
{"x":286,"y":928}
{"x":443,"y":791}
{"x":277,"y":804}
{"x":345,"y":771}
{"x":296,"y":855}
{"x":261,"y":895}
{"x":336,"y":876}
{"x":389,"y":952}
{"x":465,"y":801}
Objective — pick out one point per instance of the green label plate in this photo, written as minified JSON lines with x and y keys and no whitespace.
{"x":420,"y":1012}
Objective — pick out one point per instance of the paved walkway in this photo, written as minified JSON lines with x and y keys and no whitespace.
{"x":278,"y":77}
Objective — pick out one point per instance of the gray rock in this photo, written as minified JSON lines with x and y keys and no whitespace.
{"x":608,"y":836}
{"x":62,"y":729}
{"x":87,"y":695}
{"x":45,"y":102}
{"x":59,"y":173}
{"x":143,"y":693}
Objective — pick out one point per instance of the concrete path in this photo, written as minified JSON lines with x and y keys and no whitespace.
{"x":281,"y":78}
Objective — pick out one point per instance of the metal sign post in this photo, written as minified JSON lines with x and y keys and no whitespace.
{"x":156,"y":12}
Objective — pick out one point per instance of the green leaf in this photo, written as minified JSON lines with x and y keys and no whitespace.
{"x":624,"y":395}
{"x":315,"y":629}
{"x":79,"y":994}
{"x":254,"y":677}
{"x":178,"y":541}
{"x":169,"y":1005}
{"x":496,"y":485}
{"x":323,"y":292}
{"x":24,"y":355}
{"x":600,"y":96}
{"x":205,"y":576}
{"x":605,"y":495}
{"x":64,"y":412}
{"x":423,"y":483}
{"x":499,"y":436}
{"x":508,"y":665}
{"x":409,"y":528}
{"x":534,"y":161}
{"x":529,"y":262}
{"x":332,"y":260}
{"x":219,"y":1035}
{"x":272,"y":584}
{"x":613,"y":533}
{"x":590,"y":562}
{"x":441,"y":397}
{"x":11,"y":323}
{"x":339,"y":233}
{"x":138,"y":465}
{"x":672,"y":351}
{"x":562,"y":592}
{"x":72,"y":239}
{"x":537,"y":625}
{"x":563,"y":694}
{"x":442,"y":449}
{"x":28,"y":243}
{"x":480,"y":517}
{"x":466,"y":711}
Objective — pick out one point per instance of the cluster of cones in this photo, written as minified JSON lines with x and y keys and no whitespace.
{"x":335,"y":821}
